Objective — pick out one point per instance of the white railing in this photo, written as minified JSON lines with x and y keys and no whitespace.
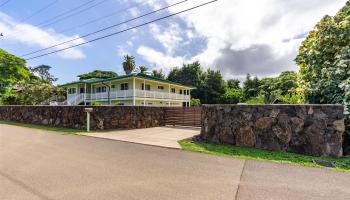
{"x":120,"y":94}
{"x":75,"y":100}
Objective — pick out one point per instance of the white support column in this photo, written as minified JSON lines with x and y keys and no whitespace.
{"x":85,"y":95}
{"x":189,"y":102}
{"x":144,"y":92}
{"x":91,"y":93}
{"x":134,"y":91}
{"x":169,"y":96}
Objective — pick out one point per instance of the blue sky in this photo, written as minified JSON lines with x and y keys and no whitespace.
{"x":233,"y":36}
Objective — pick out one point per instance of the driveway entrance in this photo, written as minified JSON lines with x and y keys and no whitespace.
{"x":158,"y":136}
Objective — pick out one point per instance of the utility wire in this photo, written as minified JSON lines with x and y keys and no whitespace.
{"x":128,"y":29}
{"x":65,"y":12}
{"x":106,"y":28}
{"x":74,"y":13}
{"x":1,"y":5}
{"x":39,"y":11}
{"x":101,"y":18}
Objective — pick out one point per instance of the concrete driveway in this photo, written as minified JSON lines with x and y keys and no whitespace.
{"x":158,"y":136}
{"x":36,"y":165}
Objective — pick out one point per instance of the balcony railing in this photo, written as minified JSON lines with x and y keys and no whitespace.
{"x":120,"y":94}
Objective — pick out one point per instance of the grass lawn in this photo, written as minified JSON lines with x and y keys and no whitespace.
{"x":342,"y":164}
{"x":45,"y":128}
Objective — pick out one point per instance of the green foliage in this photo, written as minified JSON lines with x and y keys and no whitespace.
{"x":324,"y":61}
{"x":256,"y":101}
{"x":96,"y":103}
{"x":251,"y":87}
{"x":195,"y":102}
{"x":43,"y":72}
{"x":143,"y":69}
{"x":233,"y":83}
{"x":212,"y":88}
{"x":209,"y":85}
{"x":190,"y":74}
{"x":342,"y":164}
{"x":98,"y":74}
{"x":33,"y":94}
{"x":232,"y":96}
{"x":129,"y":64}
{"x":293,"y":97}
{"x":158,"y":74}
{"x":12,"y":72}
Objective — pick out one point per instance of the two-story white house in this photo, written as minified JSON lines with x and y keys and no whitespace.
{"x":135,"y":89}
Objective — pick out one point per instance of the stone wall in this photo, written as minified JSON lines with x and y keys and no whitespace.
{"x":102,"y":118}
{"x":306,"y":129}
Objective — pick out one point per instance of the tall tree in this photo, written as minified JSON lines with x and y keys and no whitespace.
{"x":212,"y":88}
{"x":43,"y":72}
{"x":233,"y":83}
{"x":324,"y":61}
{"x":12,"y":72}
{"x":12,"y":69}
{"x":190,"y":74}
{"x":143,"y":69}
{"x":129,"y":64}
{"x":158,"y":74}
{"x":251,"y":87}
{"x":98,"y":74}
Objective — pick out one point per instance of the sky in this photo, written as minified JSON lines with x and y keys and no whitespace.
{"x":260,"y":37}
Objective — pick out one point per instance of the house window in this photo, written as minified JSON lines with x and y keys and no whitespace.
{"x":101,"y":89}
{"x":148,"y":87}
{"x":113,"y":86}
{"x":124,"y":86}
{"x":173,"y":90}
{"x":72,"y":90}
{"x":82,"y":90}
{"x":181,"y":91}
{"x":160,"y":87}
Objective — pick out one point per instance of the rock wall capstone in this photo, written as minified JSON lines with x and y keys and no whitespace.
{"x":102,"y":117}
{"x":315,"y":130}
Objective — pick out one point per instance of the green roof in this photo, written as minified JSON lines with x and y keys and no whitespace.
{"x":138,"y":75}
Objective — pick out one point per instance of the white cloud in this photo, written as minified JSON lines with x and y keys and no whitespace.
{"x":36,"y":37}
{"x":159,"y":59}
{"x":169,"y":37}
{"x":247,"y":28}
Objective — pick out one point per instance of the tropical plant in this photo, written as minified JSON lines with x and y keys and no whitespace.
{"x":324,"y":61}
{"x":129,"y":64}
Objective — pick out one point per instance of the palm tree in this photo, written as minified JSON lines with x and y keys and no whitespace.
{"x":129,"y":64}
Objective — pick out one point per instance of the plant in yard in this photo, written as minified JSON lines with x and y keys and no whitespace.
{"x":195,"y":102}
{"x":96,"y":103}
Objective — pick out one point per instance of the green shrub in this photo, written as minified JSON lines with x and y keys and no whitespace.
{"x":256,"y":100}
{"x":96,"y":103}
{"x":195,"y":102}
{"x":232,"y":96}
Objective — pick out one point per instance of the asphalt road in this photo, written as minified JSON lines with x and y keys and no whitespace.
{"x":35,"y":164}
